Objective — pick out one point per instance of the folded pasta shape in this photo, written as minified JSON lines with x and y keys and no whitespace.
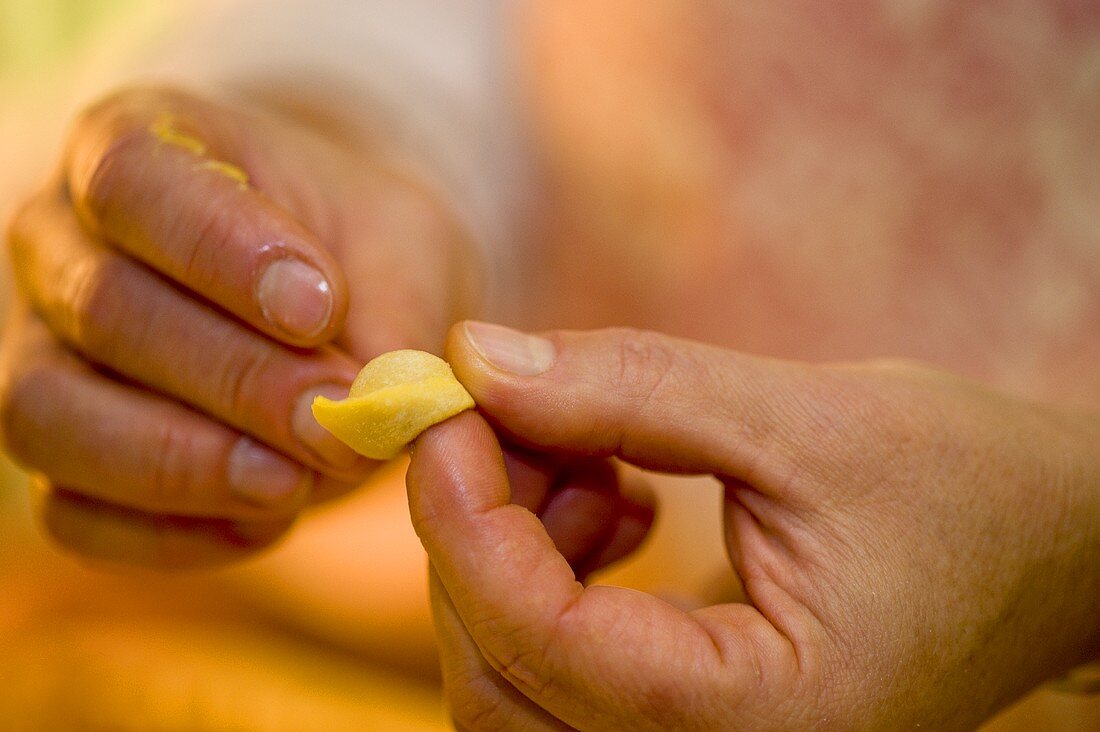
{"x":394,"y":398}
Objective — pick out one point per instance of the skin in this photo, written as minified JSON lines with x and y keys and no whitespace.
{"x":886,"y":587}
{"x":133,"y":216}
{"x":942,"y":223}
{"x":142,"y":211}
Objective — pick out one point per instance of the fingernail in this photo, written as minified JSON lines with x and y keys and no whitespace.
{"x":295,"y":297}
{"x":315,"y":437}
{"x":510,"y":350}
{"x":260,"y":475}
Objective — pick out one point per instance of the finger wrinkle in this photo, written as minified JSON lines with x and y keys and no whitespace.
{"x":531,"y":669}
{"x":168,"y":484}
{"x":478,"y":696}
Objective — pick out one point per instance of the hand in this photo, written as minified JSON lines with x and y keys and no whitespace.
{"x":185,"y":284}
{"x":915,"y":549}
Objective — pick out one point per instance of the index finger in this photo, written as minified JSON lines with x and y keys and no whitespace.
{"x":584,"y":655}
{"x":167,"y":179}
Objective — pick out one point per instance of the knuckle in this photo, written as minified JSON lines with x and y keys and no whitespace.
{"x":45,"y":269}
{"x":241,"y":380}
{"x":475,"y":709}
{"x":168,"y":482}
{"x":125,"y":107}
{"x":110,"y":137}
{"x":23,"y":394}
{"x":475,"y":700}
{"x":515,"y":659}
{"x":204,"y":246}
{"x":644,"y":367}
{"x":25,"y":232}
{"x":95,"y":304}
{"x":524,"y":670}
{"x":109,"y":167}
{"x":845,"y":424}
{"x":81,"y":297}
{"x":852,"y":407}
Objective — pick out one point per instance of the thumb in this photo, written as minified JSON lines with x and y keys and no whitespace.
{"x":658,"y":402}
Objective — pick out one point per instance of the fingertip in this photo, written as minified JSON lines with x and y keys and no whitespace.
{"x":505,"y":372}
{"x":263,"y":478}
{"x":301,"y":294}
{"x":510,"y":351}
{"x":488,"y":354}
{"x":459,"y":352}
{"x":456,"y":466}
{"x":165,"y":177}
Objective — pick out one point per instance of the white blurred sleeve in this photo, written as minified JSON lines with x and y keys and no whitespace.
{"x":435,"y":76}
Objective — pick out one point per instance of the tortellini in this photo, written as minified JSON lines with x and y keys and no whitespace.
{"x":393,"y":399}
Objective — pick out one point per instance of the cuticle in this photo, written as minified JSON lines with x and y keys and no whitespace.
{"x":280,"y":251}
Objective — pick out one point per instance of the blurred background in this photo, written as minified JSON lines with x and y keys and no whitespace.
{"x":48,"y":49}
{"x":80,"y":647}
{"x":35,"y":36}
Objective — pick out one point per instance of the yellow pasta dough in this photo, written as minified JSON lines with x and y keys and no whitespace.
{"x":168,"y":132}
{"x":393,"y":399}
